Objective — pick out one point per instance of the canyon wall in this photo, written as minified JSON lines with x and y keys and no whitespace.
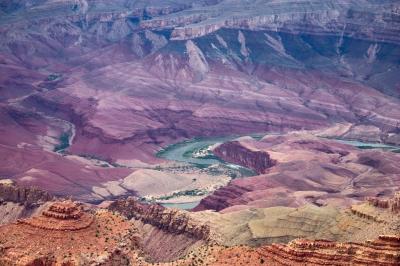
{"x":234,"y":152}
{"x":170,"y":220}
{"x":26,"y":196}
{"x":131,"y":77}
{"x":393,"y":204}
{"x":307,"y":170}
{"x":325,"y":22}
{"x":383,"y":251}
{"x":18,"y":202}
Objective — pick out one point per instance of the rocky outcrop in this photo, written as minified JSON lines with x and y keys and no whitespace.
{"x":64,"y":210}
{"x":64,"y":215}
{"x":327,"y":17}
{"x":383,"y":251}
{"x":27,"y":196}
{"x":191,"y":20}
{"x":355,"y":210}
{"x":364,"y":133}
{"x":67,"y":234}
{"x":235,"y":152}
{"x":170,"y":220}
{"x":393,"y":204}
{"x":222,"y":198}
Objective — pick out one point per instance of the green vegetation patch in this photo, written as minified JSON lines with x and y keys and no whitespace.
{"x":64,"y":142}
{"x":193,"y":192}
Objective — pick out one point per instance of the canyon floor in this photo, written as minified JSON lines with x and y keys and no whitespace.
{"x":274,"y":124}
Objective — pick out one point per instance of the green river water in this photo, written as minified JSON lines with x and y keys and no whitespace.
{"x":186,"y":152}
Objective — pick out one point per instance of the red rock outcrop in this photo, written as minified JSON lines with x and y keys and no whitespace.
{"x":383,"y":251}
{"x":64,"y":210}
{"x":19,"y":202}
{"x":67,"y":234}
{"x":323,"y":168}
{"x":223,"y":198}
{"x":354,"y":210}
{"x":391,"y":203}
{"x":28,"y":196}
{"x":235,"y":152}
{"x":64,"y":215}
{"x":170,"y":220}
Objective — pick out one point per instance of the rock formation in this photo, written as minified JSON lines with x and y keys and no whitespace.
{"x":383,"y":251}
{"x":329,"y":17}
{"x":67,"y":234}
{"x":234,"y":152}
{"x":174,"y":70}
{"x":64,"y":215}
{"x":393,"y":204}
{"x":92,"y":90}
{"x":26,"y":196}
{"x":306,"y":169}
{"x":18,"y":202}
{"x":156,"y":234}
{"x":170,"y":220}
{"x":254,"y":226}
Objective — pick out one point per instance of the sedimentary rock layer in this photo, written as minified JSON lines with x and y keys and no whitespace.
{"x":17,"y":202}
{"x":234,"y":152}
{"x":28,"y":196}
{"x":383,"y":251}
{"x":64,"y":216}
{"x":309,"y":169}
{"x":393,"y":204}
{"x":96,"y":238}
{"x":254,"y":226}
{"x":114,"y":83}
{"x":170,"y":220}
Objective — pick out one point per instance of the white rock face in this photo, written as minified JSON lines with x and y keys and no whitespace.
{"x":197,"y":61}
{"x":372,"y":51}
{"x":331,"y":16}
{"x":156,"y":40}
{"x":137,"y":45}
{"x":222,"y":41}
{"x":242,"y":41}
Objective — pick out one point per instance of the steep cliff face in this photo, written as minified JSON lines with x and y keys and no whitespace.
{"x":26,"y":196}
{"x":192,"y":19}
{"x":166,"y":234}
{"x":170,"y":220}
{"x":235,"y":152}
{"x":322,"y":17}
{"x":173,"y":70}
{"x":223,"y":198}
{"x":383,"y":251}
{"x":17,"y":202}
{"x":393,"y":204}
{"x":323,"y":170}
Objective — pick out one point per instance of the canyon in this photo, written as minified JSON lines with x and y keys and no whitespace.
{"x":275,"y":123}
{"x":69,"y":64}
{"x":130,"y":232}
{"x":307,"y":169}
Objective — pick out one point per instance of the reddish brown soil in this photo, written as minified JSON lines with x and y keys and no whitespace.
{"x":64,"y":239}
